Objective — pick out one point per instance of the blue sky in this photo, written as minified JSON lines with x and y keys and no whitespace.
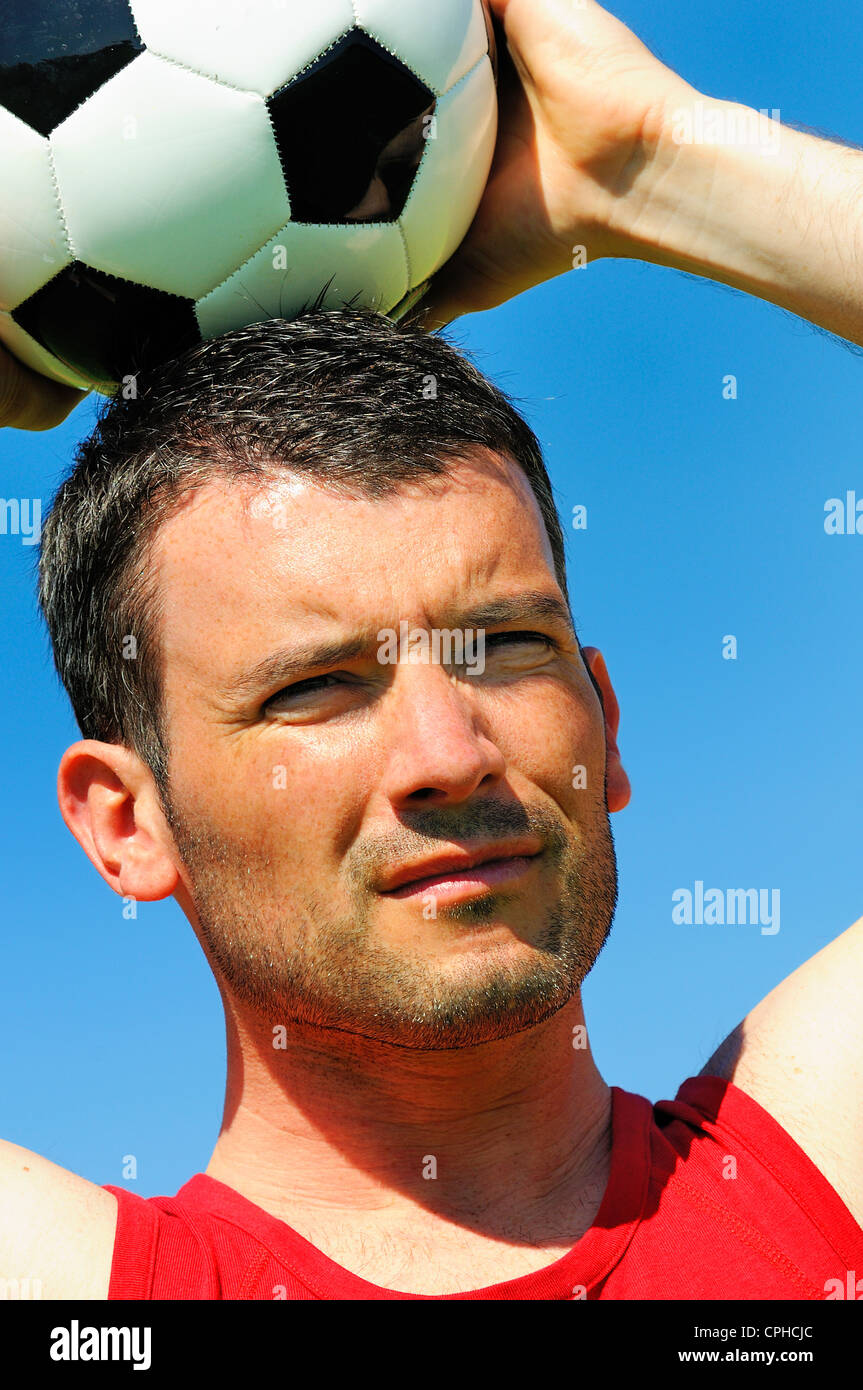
{"x":705,"y":518}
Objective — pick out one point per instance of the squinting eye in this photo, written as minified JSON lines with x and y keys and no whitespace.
{"x":306,"y":687}
{"x":507,"y":637}
{"x":315,"y":685}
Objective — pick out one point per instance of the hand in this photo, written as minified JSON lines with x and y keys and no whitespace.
{"x":581,"y":105}
{"x":30,"y":401}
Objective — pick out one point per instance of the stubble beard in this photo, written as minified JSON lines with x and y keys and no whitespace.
{"x":304,"y":964}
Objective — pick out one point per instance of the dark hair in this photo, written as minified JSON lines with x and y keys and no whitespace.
{"x":342,"y":395}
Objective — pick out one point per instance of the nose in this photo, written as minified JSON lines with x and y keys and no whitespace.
{"x":440,"y":747}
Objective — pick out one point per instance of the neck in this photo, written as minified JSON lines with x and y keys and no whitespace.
{"x":335,"y":1123}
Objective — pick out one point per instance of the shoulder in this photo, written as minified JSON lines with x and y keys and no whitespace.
{"x":56,"y":1228}
{"x":799,"y":1054}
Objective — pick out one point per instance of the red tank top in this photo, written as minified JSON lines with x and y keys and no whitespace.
{"x":707,"y":1197}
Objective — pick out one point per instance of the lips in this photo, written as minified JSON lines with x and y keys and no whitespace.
{"x":456,"y":863}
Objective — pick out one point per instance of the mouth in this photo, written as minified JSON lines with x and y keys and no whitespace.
{"x":452,"y":884}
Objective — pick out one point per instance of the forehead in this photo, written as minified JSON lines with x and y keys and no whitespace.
{"x":245,"y":561}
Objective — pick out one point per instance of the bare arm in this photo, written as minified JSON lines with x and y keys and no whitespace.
{"x":799,"y":1054}
{"x":603,"y":151}
{"x":56,"y":1229}
{"x":739,"y":197}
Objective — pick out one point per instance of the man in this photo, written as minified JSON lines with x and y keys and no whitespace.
{"x":412,"y":1107}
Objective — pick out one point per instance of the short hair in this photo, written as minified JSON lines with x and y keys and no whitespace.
{"x":343,"y":396}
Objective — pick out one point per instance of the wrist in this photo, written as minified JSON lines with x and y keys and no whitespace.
{"x":732,"y":194}
{"x":692,"y":192}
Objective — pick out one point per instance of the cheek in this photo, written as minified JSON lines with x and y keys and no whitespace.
{"x":249,"y":795}
{"x":558,"y":743}
{"x":304,"y":797}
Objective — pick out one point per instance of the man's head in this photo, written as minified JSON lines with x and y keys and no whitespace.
{"x":217,"y":575}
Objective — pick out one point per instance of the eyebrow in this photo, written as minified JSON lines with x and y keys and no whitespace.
{"x":291,"y":663}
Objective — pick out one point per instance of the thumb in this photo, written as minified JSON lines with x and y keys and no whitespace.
{"x":30,"y":401}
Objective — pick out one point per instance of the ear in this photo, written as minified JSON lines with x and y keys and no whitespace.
{"x":617,"y":782}
{"x":109,"y":801}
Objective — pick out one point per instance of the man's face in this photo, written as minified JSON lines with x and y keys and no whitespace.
{"x":301,"y":783}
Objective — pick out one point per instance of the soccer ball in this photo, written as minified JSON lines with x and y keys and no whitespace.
{"x":173,"y":169}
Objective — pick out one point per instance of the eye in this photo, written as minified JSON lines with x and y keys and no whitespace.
{"x":312,"y":686}
{"x":293,"y":695}
{"x":505,"y":638}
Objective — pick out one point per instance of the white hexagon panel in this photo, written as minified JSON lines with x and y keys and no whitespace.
{"x":335,"y":266}
{"x":168,"y":178}
{"x":459,"y":151}
{"x":439,"y":44}
{"x":256,"y":45}
{"x":33,"y":244}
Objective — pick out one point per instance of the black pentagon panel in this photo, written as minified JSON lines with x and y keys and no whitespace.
{"x":56,"y":53}
{"x":105,"y":327}
{"x":350,"y":133}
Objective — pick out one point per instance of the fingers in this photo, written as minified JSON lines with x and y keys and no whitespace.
{"x":461,"y":287}
{"x":429,"y":315}
{"x":30,"y":401}
{"x":441,"y":304}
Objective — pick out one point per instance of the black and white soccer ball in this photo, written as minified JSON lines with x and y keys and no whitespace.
{"x":173,"y":169}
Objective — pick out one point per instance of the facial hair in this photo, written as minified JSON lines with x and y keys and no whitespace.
{"x":298,"y":961}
